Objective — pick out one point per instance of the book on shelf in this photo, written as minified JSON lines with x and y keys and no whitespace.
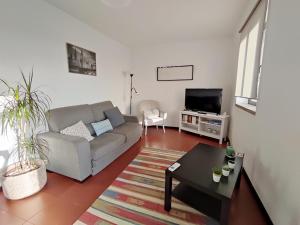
{"x":194,"y":119}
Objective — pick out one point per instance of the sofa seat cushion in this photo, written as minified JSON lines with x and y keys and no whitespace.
{"x":105,"y":143}
{"x":130,"y":130}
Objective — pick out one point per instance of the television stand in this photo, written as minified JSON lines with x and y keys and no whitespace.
{"x":210,"y":125}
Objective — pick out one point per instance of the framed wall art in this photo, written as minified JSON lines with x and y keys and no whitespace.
{"x":81,"y":61}
{"x":175,"y":73}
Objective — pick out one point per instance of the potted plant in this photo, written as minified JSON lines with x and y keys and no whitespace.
{"x":217,"y":173}
{"x":24,"y":112}
{"x":230,"y":153}
{"x":231,"y":164}
{"x":225,"y":171}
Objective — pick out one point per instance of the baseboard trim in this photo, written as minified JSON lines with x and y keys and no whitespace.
{"x":258,"y":200}
{"x":171,"y":127}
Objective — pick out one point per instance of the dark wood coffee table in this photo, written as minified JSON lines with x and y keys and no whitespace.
{"x":197,"y":188}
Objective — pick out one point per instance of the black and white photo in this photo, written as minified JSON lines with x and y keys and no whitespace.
{"x":81,"y":61}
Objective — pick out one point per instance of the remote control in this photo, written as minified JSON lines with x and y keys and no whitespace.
{"x":174,"y":167}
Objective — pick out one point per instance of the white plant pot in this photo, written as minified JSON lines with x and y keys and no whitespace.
{"x":216,"y":178}
{"x":231,"y":165}
{"x":24,"y":185}
{"x":225,"y":172}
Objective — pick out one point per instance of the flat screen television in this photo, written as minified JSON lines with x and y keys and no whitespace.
{"x":203,"y":100}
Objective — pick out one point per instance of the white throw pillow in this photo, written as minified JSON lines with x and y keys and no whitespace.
{"x":78,"y":129}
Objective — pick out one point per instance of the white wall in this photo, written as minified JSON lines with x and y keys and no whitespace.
{"x":270,"y":139}
{"x":213,"y":68}
{"x":34,"y":33}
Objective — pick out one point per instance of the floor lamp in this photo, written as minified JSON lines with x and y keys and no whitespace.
{"x":132,"y":89}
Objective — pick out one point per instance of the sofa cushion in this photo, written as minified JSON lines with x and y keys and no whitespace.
{"x":99,"y":108}
{"x":102,"y":127}
{"x":130,"y":130}
{"x":61,"y":118}
{"x":78,"y":129}
{"x":105,"y":143}
{"x":91,"y":129}
{"x":115,"y":116}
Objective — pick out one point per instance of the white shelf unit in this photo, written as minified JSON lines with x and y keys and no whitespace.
{"x":210,"y":125}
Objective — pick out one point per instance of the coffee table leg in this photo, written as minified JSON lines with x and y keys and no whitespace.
{"x":238,"y":182}
{"x":225,"y":212}
{"x":168,"y":191}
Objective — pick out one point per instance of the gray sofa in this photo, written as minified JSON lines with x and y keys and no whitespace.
{"x":77,"y":158}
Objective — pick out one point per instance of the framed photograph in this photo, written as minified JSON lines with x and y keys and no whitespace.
{"x":175,"y":73}
{"x":81,"y":61}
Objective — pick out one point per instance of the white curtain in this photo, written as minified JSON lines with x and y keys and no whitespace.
{"x":250,"y":52}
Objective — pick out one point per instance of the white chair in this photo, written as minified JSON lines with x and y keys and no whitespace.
{"x":151,"y":114}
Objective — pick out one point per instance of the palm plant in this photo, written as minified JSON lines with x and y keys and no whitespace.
{"x":25,"y":111}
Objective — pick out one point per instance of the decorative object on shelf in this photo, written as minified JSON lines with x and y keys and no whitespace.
{"x":240,"y":154}
{"x":132,"y":90}
{"x":231,"y":164}
{"x":230,"y":153}
{"x":194,"y":119}
{"x":225,"y":171}
{"x":24,"y":112}
{"x":81,"y":61}
{"x":217,"y":173}
{"x":175,"y":73}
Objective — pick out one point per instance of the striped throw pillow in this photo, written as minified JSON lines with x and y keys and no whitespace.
{"x":102,"y":127}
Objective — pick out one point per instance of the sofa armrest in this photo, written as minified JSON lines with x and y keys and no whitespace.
{"x":68,"y":155}
{"x":131,"y":119}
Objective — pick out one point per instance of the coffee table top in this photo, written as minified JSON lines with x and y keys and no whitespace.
{"x":196,"y":171}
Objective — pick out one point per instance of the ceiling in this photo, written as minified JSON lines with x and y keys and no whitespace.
{"x":146,"y":22}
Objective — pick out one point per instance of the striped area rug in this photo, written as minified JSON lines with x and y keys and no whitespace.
{"x":137,"y":195}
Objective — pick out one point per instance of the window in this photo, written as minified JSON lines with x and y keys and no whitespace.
{"x":252,"y":36}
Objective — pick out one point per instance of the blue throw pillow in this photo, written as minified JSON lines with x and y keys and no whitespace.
{"x":102,"y":127}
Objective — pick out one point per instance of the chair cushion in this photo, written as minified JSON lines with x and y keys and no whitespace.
{"x":115,"y":116}
{"x":102,"y":127}
{"x":153,"y":121}
{"x":78,"y":129}
{"x":130,"y":130}
{"x":105,"y":143}
{"x":153,"y":113}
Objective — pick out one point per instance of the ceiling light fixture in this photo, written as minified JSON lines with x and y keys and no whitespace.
{"x":116,"y":3}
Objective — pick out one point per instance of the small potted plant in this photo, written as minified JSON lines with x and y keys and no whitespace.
{"x":217,"y":173}
{"x":225,"y":171}
{"x":231,"y":164}
{"x":230,"y":153}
